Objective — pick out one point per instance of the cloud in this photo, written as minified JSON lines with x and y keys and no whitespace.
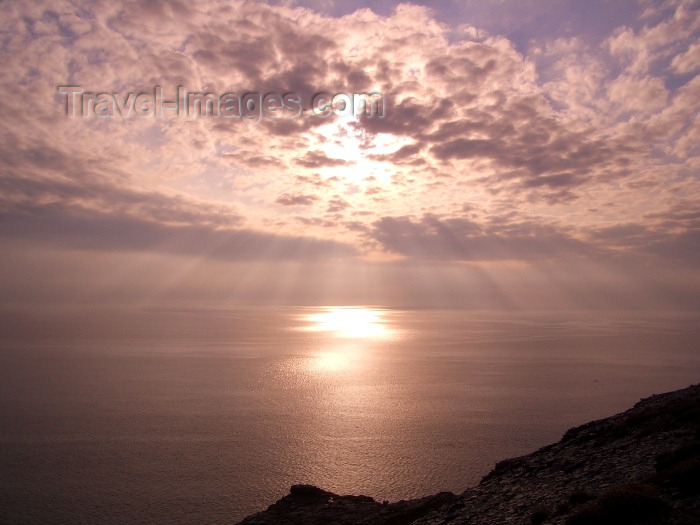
{"x":408,"y":152}
{"x":688,"y":62}
{"x":645,"y":94}
{"x":296,"y":200}
{"x":532,"y":147}
{"x":496,"y":144}
{"x":43,"y":177}
{"x":337,"y":204}
{"x":436,"y":238}
{"x":316,"y":159}
{"x":85,"y":229}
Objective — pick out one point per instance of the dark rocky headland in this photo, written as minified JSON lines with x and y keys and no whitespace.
{"x":638,"y":467}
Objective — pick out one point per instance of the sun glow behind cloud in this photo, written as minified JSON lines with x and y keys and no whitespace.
{"x":361,"y":153}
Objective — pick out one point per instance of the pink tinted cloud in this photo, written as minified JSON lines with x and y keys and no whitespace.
{"x":585,"y":149}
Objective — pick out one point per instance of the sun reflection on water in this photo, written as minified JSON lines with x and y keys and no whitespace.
{"x":347,"y":337}
{"x":348,"y":321}
{"x":331,"y":361}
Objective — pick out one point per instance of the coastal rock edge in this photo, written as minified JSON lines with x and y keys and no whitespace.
{"x":640,"y":466}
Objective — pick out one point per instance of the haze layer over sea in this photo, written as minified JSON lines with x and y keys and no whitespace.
{"x":205,"y":416}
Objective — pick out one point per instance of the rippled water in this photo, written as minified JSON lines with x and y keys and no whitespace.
{"x":206,"y":416}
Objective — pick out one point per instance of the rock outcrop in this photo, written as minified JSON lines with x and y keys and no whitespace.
{"x":309,"y":505}
{"x":641,"y":466}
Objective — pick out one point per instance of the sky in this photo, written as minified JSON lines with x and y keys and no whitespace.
{"x":530,"y":154}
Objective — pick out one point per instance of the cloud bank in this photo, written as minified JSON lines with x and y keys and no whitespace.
{"x":503,"y":145}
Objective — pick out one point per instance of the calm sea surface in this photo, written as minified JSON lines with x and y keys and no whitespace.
{"x":199,"y":417}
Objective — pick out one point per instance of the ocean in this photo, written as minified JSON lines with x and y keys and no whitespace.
{"x":177,"y":416}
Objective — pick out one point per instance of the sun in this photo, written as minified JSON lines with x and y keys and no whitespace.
{"x":360,"y":158}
